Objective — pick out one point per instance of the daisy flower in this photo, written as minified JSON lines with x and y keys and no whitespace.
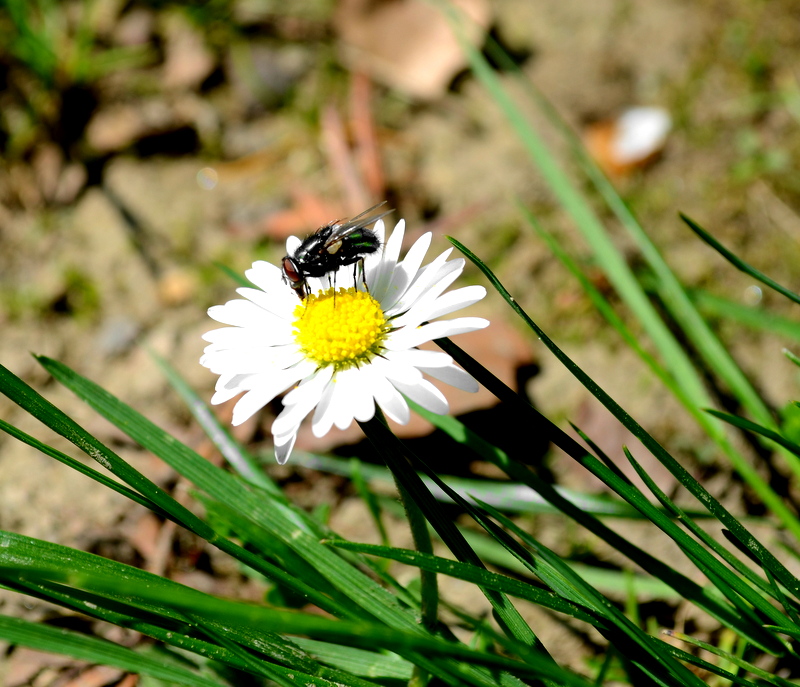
{"x":342,"y":350}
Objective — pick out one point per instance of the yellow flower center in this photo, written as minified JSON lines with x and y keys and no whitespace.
{"x":341,"y":328}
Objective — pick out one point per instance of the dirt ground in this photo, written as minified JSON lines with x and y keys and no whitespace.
{"x":244,"y":129}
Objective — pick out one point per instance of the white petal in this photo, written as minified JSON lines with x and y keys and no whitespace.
{"x":397,"y":370}
{"x":380,"y":280}
{"x":225,"y":394}
{"x":249,"y":404}
{"x":264,"y":275}
{"x":344,"y":398}
{"x":264,"y":359}
{"x":317,"y":285}
{"x":318,"y":377}
{"x":231,"y":385}
{"x":420,"y":303}
{"x":243,"y":338}
{"x":284,"y":449}
{"x":417,"y":306}
{"x":380,"y":231}
{"x":430,"y":309}
{"x":228,"y":337}
{"x":452,"y":375}
{"x":387,"y":397}
{"x":420,"y":358}
{"x":322,"y":421}
{"x":416,"y":254}
{"x":372,"y":262}
{"x":410,"y":337}
{"x":425,"y":394}
{"x":263,"y":388}
{"x":292,"y":244}
{"x":301,"y":400}
{"x":240,"y":313}
{"x":406,"y":271}
{"x":428,"y":279}
{"x":280,"y":301}
{"x":358,"y":396}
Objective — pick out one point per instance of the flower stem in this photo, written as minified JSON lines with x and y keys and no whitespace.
{"x":400,"y":468}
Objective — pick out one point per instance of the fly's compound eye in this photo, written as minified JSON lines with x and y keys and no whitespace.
{"x":290,"y":270}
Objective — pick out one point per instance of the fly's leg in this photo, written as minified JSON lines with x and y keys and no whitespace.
{"x":358,"y":268}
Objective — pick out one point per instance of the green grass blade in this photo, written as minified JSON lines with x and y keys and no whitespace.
{"x":235,"y":277}
{"x":282,"y":521}
{"x":357,"y":661}
{"x":753,"y":318}
{"x":733,"y":659}
{"x":616,"y":269}
{"x":712,"y":668}
{"x":284,"y":677}
{"x":44,"y":411}
{"x":791,"y":356}
{"x":698,"y":531}
{"x":77,"y":465}
{"x":290,"y":525}
{"x":610,"y":581}
{"x":513,"y":497}
{"x":604,"y":308}
{"x":356,"y":474}
{"x":611,"y":260}
{"x":794,"y":633}
{"x":687,"y":588}
{"x":359,"y":634}
{"x":152,"y":437}
{"x":239,"y":459}
{"x":642,"y":649}
{"x":24,"y":556}
{"x":476,"y":575}
{"x":789,"y":606}
{"x":255,"y":639}
{"x":161,"y":597}
{"x":94,"y":650}
{"x":398,"y":457}
{"x":564,"y":584}
{"x":770,"y":498}
{"x":113,"y":612}
{"x":669,"y":288}
{"x":738,"y":263}
{"x":288,"y":569}
{"x":755,"y":428}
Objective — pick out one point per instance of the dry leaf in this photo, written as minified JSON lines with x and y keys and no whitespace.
{"x":408,"y":44}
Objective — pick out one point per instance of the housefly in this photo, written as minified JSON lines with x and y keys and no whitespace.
{"x":337,"y":244}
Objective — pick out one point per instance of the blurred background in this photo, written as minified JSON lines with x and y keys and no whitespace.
{"x":145,"y":143}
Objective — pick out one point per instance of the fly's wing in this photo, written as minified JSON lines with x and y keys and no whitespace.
{"x":340,"y":231}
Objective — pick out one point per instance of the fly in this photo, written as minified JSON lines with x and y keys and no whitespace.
{"x":337,"y":244}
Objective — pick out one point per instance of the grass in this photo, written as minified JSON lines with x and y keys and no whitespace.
{"x":353,"y":621}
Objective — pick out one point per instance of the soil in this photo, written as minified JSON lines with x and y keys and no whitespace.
{"x":226,"y":141}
